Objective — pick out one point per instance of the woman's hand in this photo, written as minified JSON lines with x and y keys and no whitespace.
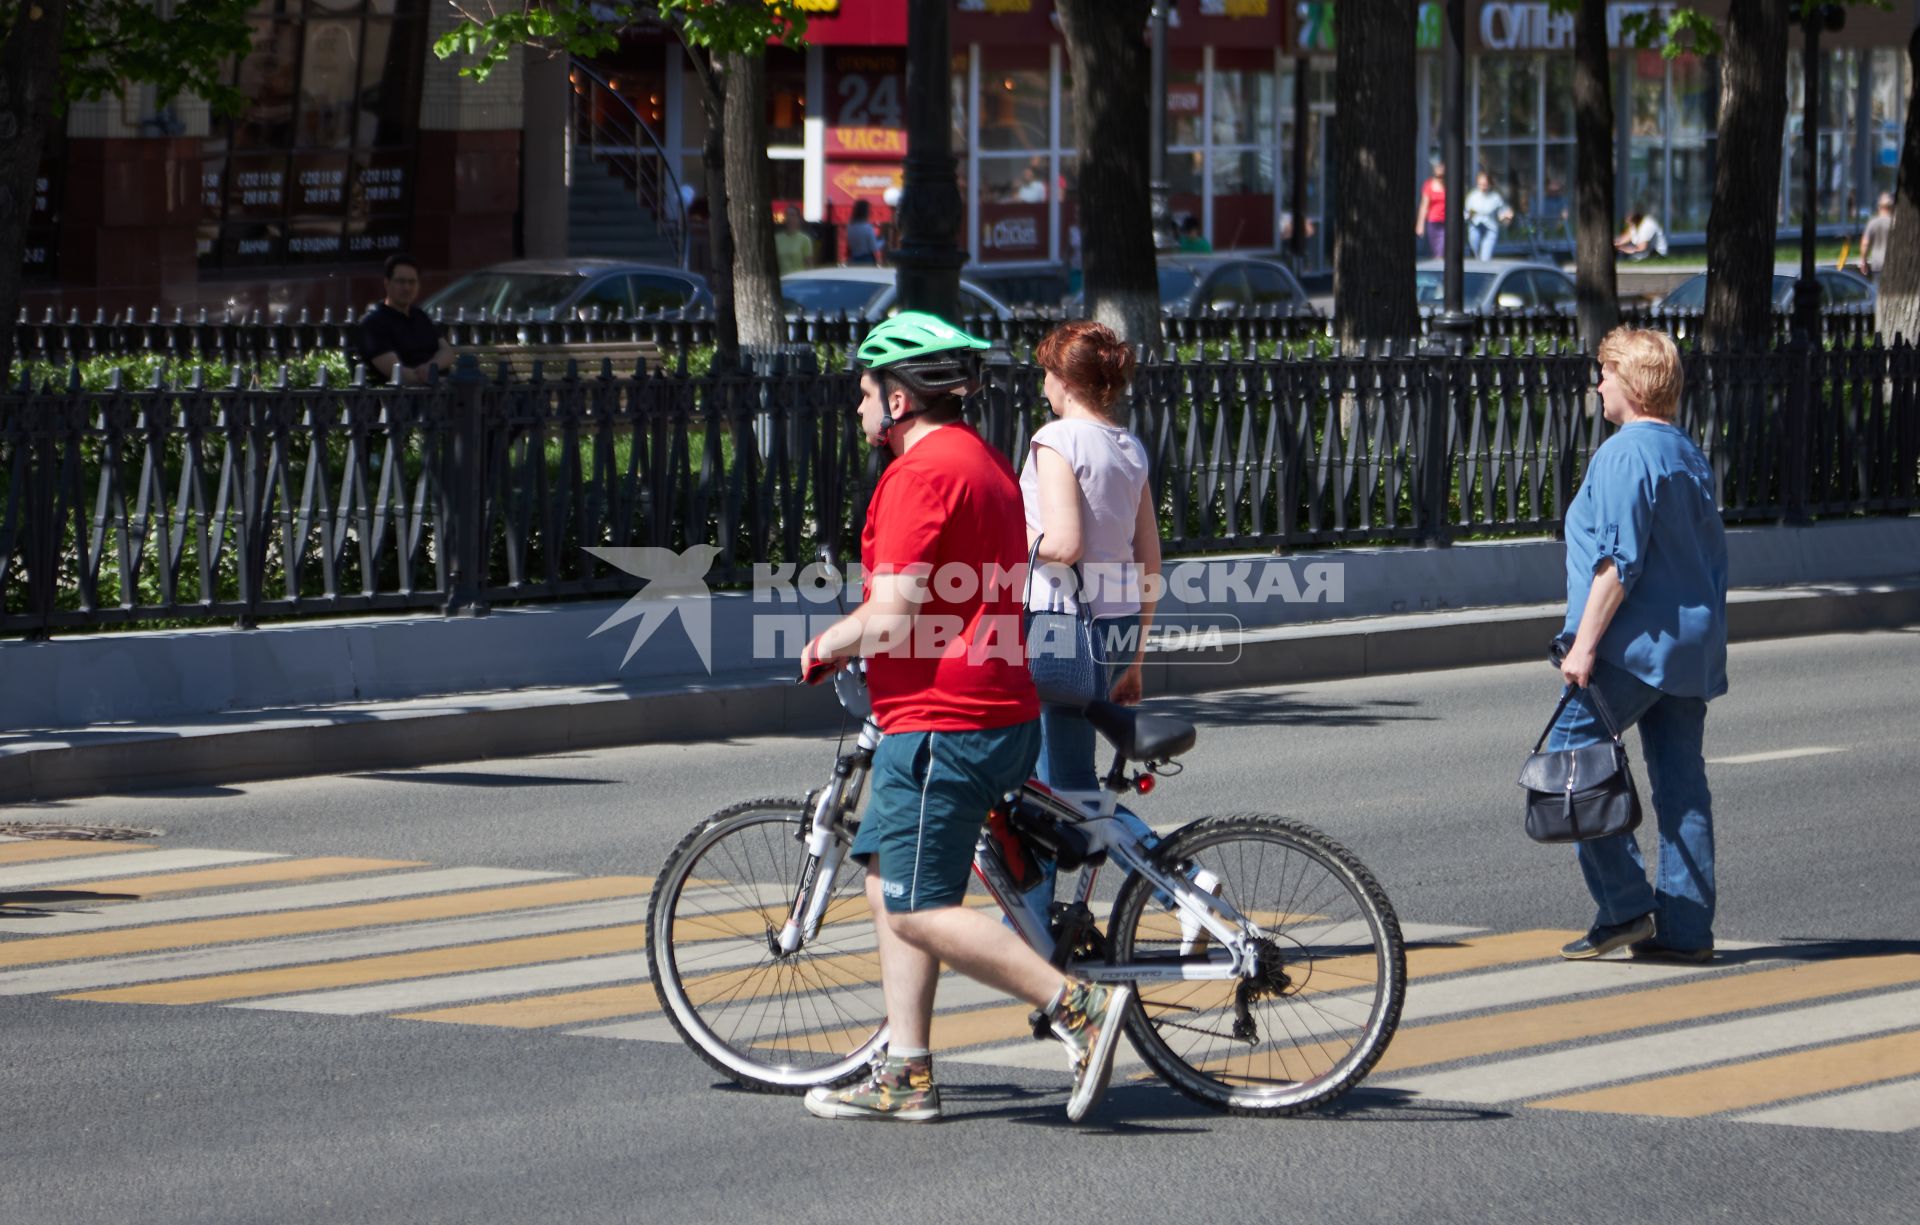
{"x":1126,"y":687}
{"x":1577,"y":667}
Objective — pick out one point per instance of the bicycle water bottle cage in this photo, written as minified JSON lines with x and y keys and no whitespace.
{"x":1063,"y":842}
{"x":1141,"y":736}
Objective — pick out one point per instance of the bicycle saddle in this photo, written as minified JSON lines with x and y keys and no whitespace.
{"x":1140,"y":736}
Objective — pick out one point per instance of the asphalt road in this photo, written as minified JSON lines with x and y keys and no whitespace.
{"x":115,"y":1110}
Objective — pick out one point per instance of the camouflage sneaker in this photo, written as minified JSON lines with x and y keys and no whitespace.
{"x":896,"y":1090}
{"x":1089,"y":1020}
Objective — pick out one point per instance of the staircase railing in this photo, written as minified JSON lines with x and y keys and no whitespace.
{"x":608,"y":130}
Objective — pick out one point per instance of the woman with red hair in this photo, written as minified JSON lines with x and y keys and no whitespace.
{"x":1089,"y":505}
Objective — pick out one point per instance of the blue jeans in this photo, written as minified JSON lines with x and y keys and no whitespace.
{"x":1672,"y":731}
{"x":1481,"y":237}
{"x":1068,"y":741}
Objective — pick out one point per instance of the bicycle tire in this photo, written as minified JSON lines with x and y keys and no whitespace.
{"x":1317,"y":1044}
{"x":773,"y":1023}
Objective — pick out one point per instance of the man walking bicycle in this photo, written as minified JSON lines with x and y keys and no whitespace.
{"x":948,"y":677}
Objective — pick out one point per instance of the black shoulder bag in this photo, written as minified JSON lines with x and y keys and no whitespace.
{"x":1574,"y":795}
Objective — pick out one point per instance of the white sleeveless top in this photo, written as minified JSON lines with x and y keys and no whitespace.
{"x":1112,"y":468}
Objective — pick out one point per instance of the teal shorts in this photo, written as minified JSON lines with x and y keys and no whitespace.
{"x":931,"y":793}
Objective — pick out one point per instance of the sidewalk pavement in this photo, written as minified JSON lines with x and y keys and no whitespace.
{"x":338,"y":737}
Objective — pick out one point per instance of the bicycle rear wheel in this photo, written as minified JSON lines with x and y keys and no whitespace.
{"x":774,"y":1022}
{"x":1316,"y":1017}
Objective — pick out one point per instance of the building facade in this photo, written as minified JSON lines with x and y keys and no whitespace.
{"x":357,"y":141}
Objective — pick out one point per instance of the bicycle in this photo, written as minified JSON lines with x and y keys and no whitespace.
{"x":1250,"y":999}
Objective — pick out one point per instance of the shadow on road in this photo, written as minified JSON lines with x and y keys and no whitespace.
{"x":10,"y":903}
{"x":477,"y":778}
{"x":1259,"y":708}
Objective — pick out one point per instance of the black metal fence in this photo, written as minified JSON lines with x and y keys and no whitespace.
{"x":238,"y":504}
{"x":254,"y":338}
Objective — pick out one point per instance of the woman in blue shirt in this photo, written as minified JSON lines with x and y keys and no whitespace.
{"x":1647,"y":627}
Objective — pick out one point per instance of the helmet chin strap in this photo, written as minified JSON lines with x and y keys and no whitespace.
{"x":888,"y":421}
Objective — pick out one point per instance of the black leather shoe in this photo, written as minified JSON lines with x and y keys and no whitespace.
{"x":1653,"y":950}
{"x":1603,"y":940}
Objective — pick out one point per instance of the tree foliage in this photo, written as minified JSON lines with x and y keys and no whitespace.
{"x":488,"y":32}
{"x":183,"y":48}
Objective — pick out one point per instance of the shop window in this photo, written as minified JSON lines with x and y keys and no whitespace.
{"x":786,"y":97}
{"x":318,"y":167}
{"x":1243,"y":107}
{"x":1014,"y":109}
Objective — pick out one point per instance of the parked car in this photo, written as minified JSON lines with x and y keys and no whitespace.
{"x":1839,"y":290}
{"x":1220,"y":284}
{"x":869,"y":293}
{"x":563,"y":288}
{"x":1494,"y":286}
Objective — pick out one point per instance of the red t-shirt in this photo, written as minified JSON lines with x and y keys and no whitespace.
{"x":1436,"y":195}
{"x":950,"y":508}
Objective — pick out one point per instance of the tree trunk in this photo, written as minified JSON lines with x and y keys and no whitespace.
{"x":1898,"y":314}
{"x":1116,"y":209}
{"x":1373,"y":296}
{"x":1746,"y":179}
{"x":726,"y":332}
{"x":1597,"y":288}
{"x":749,"y":177}
{"x":29,"y":83}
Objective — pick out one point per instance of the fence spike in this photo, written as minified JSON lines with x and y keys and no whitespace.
{"x":198,"y":381}
{"x":73,"y":377}
{"x":321,"y":378}
{"x":113,"y":380}
{"x":156,"y":380}
{"x":285,"y":382}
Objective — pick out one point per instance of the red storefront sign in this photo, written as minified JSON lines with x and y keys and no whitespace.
{"x":866,"y":142}
{"x":1013,"y":231}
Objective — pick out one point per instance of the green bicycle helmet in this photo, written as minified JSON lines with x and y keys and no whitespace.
{"x":928,"y":354}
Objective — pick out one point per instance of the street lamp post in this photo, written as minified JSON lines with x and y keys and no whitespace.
{"x":1157,"y":186}
{"x":929,"y":257}
{"x":1453,"y":322}
{"x":1806,"y":292}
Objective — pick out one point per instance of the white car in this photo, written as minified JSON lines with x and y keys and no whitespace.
{"x":869,"y":293}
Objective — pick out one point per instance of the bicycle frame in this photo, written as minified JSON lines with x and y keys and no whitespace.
{"x":1233,"y":947}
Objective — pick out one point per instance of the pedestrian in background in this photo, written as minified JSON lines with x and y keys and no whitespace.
{"x":1486,"y":211}
{"x":1191,"y":238}
{"x":863,"y":241}
{"x":399,"y":339}
{"x":1873,"y":239}
{"x":793,"y":246}
{"x":1430,"y":211}
{"x":1647,"y":627}
{"x":1641,"y":237}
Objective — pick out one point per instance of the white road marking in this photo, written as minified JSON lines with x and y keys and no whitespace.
{"x":321,"y":946}
{"x":460,"y":988}
{"x":292,"y":897}
{"x":1749,"y":759}
{"x":1890,"y":1108}
{"x":1658,"y":1054}
{"x":63,"y":871}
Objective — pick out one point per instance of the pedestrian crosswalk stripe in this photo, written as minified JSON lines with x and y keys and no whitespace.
{"x":527,"y":951}
{"x":1449,"y":1041}
{"x":289,"y":897}
{"x":1528,"y":984}
{"x":542,"y":1011}
{"x":1658,"y":1054}
{"x":47,"y":949}
{"x":1756,"y":1083}
{"x":1884,"y":1108}
{"x":35,"y":850}
{"x":326,"y":946}
{"x":452,"y":988}
{"x":68,"y":871}
{"x":270,"y":872}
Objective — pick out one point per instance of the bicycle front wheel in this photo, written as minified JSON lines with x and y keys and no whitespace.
{"x":773,"y":1021}
{"x":1331,"y":980}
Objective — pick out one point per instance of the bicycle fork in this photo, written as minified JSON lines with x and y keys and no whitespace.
{"x":826,"y":849}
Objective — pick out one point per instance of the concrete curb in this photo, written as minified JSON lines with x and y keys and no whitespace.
{"x":336,"y":739}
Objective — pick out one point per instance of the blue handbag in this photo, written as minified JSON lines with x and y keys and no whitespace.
{"x":1062,"y":650}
